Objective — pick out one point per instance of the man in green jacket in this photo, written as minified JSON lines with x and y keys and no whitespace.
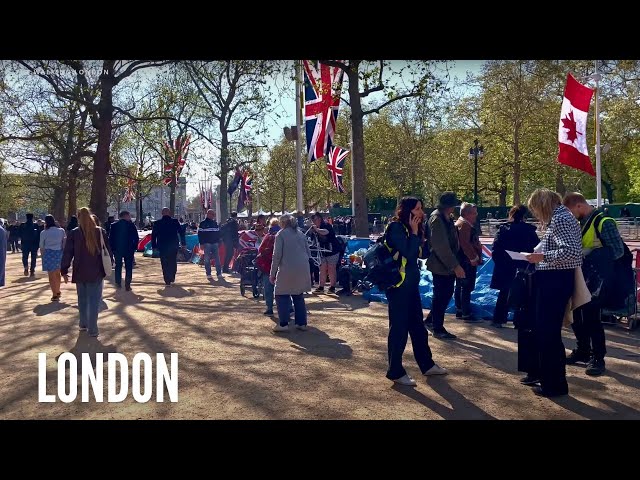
{"x":443,"y":262}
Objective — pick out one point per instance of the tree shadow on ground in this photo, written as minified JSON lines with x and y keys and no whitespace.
{"x":52,"y":307}
{"x":461,"y":408}
{"x":318,"y":343}
{"x":25,"y":280}
{"x":174,"y":291}
{"x":91,"y":346}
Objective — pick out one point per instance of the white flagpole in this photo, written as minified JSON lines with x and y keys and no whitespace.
{"x":299,"y":83}
{"x":353,"y":203}
{"x":598,"y":164}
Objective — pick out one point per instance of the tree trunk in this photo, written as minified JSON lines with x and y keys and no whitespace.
{"x":58,"y":203}
{"x":101,"y":164}
{"x":560,"y":186}
{"x":224,"y":175}
{"x":357,"y":155}
{"x":609,"y":188}
{"x":73,"y":187}
{"x":172,"y":196}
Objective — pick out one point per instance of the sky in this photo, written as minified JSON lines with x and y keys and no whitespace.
{"x":285,"y":108}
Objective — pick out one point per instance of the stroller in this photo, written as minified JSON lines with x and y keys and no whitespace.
{"x":250,"y":274}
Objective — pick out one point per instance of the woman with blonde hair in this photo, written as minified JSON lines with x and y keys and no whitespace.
{"x":290,"y":273}
{"x":84,"y":246}
{"x":556,"y":258}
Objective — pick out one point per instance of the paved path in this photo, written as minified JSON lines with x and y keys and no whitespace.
{"x":233,"y":367}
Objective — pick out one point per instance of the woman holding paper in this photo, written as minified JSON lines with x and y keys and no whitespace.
{"x":518,"y":236}
{"x":559,"y":256}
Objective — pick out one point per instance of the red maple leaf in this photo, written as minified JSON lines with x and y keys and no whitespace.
{"x":570,"y":124}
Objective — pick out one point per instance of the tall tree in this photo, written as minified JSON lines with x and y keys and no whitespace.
{"x":394,"y":83}
{"x":75,"y":80}
{"x":235,"y":94}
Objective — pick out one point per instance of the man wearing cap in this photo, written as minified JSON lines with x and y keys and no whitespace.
{"x":443,"y":262}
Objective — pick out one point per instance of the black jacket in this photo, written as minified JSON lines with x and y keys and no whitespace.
{"x":208,"y":231}
{"x":123,"y":237}
{"x":29,"y":236}
{"x":517,"y":237}
{"x":166,"y":234}
{"x":408,"y":244}
{"x":229,"y":232}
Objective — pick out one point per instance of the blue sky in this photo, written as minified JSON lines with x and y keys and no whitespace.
{"x":284,"y":111}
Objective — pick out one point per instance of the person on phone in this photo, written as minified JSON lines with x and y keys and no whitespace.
{"x":84,"y":246}
{"x":443,"y":262}
{"x":553,"y":284}
{"x":405,"y":235}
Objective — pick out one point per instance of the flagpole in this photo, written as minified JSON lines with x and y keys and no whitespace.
{"x":598,"y":164}
{"x":299,"y":83}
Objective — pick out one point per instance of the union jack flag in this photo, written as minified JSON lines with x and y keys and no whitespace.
{"x":335,"y":164}
{"x":322,"y":85}
{"x":175,"y":158}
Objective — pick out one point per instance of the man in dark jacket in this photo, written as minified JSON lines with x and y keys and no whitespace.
{"x":209,"y":238}
{"x":443,"y":262}
{"x":30,"y":240}
{"x":123,"y":239}
{"x":14,"y":237}
{"x":230,"y":238}
{"x":166,"y":237}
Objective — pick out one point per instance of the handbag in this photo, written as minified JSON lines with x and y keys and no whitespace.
{"x":521,"y":289}
{"x":106,"y":258}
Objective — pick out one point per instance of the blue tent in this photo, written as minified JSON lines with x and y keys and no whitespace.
{"x":483,"y":298}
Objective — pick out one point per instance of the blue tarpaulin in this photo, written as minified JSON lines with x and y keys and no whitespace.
{"x":483,"y":298}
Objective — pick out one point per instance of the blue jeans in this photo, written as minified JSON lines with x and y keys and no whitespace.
{"x":210,"y":248}
{"x":268,"y":291}
{"x":128,"y":268}
{"x":89,"y":297}
{"x":284,"y":306}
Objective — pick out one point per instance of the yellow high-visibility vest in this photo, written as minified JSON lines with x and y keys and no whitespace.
{"x":397,"y":256}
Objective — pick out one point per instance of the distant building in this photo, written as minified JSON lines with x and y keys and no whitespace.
{"x":158,"y":198}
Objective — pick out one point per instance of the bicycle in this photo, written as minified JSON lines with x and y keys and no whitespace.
{"x":315,"y":248}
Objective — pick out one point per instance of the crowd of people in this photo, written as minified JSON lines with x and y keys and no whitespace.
{"x":573,"y":235}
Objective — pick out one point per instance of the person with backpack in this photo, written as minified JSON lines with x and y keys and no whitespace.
{"x":30,"y":241}
{"x":602,"y":247}
{"x":404,"y":238}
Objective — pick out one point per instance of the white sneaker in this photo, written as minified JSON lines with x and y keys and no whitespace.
{"x":278,"y":328}
{"x":435,"y":370}
{"x":406,"y":380}
{"x":304,"y":328}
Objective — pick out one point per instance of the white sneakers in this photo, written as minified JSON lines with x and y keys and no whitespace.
{"x":278,"y":328}
{"x":410,"y":382}
{"x":435,"y":370}
{"x":406,"y":380}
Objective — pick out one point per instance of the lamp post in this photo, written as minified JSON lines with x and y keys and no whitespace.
{"x":476,"y":152}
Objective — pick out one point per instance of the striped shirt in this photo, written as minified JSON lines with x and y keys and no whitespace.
{"x":562,"y":242}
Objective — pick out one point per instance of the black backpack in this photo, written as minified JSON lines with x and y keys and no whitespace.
{"x":383,"y":266}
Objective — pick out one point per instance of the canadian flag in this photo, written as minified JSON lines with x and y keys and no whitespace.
{"x":572,"y":133}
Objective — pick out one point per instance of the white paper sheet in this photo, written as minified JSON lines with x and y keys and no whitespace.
{"x":516,"y":255}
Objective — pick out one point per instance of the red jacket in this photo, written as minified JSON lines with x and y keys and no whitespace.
{"x":265,"y":253}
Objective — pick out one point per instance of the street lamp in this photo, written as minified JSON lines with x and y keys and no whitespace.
{"x":476,"y":152}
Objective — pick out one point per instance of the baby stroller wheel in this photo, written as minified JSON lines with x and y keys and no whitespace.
{"x":241,"y":288}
